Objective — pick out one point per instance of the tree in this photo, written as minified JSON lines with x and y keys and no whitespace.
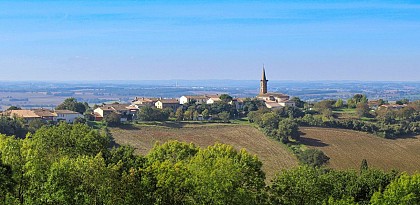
{"x":222,"y":175}
{"x":14,"y":108}
{"x":364,"y":165}
{"x":313,"y":158}
{"x":362,"y":109}
{"x":81,"y":180}
{"x":12,"y":126}
{"x":404,"y":190}
{"x":148,"y":113}
{"x":73,"y":105}
{"x":179,"y":114}
{"x":357,"y":98}
{"x":35,"y":124}
{"x":188,"y":114}
{"x":303,"y":185}
{"x":299,"y":103}
{"x":113,"y":119}
{"x":6,"y":181}
{"x":224,"y":116}
{"x":288,"y":128}
{"x":339,"y":103}
{"x":324,"y":107}
{"x":402,"y":101}
{"x":205,"y":114}
{"x":195,"y":115}
{"x":226,"y":98}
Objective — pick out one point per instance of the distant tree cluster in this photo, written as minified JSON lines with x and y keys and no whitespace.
{"x":148,"y":113}
{"x":73,"y":105}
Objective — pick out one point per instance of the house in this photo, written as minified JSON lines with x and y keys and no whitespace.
{"x":126,"y":111}
{"x":168,"y":103}
{"x":26,"y":115}
{"x":287,"y":103}
{"x":273,"y":105}
{"x":374,"y":104}
{"x":238,"y":102}
{"x":392,"y":106}
{"x":271,"y":99}
{"x":45,"y":114}
{"x":142,"y":101}
{"x":198,"y":99}
{"x":66,"y":115}
{"x":212,"y":99}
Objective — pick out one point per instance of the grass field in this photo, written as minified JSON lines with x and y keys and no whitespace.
{"x":274,"y":155}
{"x":348,"y":148}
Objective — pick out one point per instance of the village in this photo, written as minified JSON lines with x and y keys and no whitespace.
{"x":129,"y":111}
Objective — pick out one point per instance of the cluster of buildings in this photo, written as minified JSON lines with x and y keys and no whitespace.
{"x":44,"y":114}
{"x":127,"y":112}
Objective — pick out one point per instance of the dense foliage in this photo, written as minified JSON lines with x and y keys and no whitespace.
{"x":74,"y":164}
{"x":12,"y":126}
{"x":73,"y":105}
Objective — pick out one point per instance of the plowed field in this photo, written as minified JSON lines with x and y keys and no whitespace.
{"x":273,"y":154}
{"x":348,"y":148}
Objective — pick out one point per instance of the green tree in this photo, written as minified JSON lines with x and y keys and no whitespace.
{"x":339,"y":103}
{"x":402,"y":101}
{"x":6,"y":182}
{"x":172,"y":151}
{"x":35,"y":124}
{"x":222,"y":175}
{"x":148,"y":113}
{"x":14,"y":108}
{"x":83,"y":180}
{"x":404,"y":190}
{"x":362,"y":109}
{"x":195,"y":115}
{"x":179,"y":114}
{"x":188,"y":115}
{"x":205,"y":114}
{"x":270,"y":121}
{"x":224,"y":116}
{"x":304,"y":185}
{"x":12,"y":126}
{"x":288,"y":128}
{"x":226,"y":98}
{"x":324,"y":107}
{"x":357,"y":98}
{"x":313,"y":157}
{"x":113,"y":119}
{"x":364,"y":165}
{"x":72,"y":104}
{"x":299,"y":103}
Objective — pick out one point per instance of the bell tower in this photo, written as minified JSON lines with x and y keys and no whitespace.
{"x":263,"y":82}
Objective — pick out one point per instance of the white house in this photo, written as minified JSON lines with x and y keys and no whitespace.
{"x":199,"y":99}
{"x":126,"y":111}
{"x":212,"y":100}
{"x":66,"y":115}
{"x":287,"y":103}
{"x":168,"y":103}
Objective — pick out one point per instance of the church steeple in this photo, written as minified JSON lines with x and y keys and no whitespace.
{"x":263,"y":82}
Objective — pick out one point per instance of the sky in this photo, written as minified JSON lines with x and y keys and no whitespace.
{"x":193,"y":40}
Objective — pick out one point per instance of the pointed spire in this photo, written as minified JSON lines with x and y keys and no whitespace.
{"x":263,"y":74}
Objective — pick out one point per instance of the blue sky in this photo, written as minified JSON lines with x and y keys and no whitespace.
{"x":153,"y":40}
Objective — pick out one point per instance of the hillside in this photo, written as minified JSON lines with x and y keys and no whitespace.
{"x":348,"y":148}
{"x":273,"y":154}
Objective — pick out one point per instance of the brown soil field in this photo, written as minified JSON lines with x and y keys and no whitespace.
{"x":348,"y":148}
{"x":273,"y":154}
